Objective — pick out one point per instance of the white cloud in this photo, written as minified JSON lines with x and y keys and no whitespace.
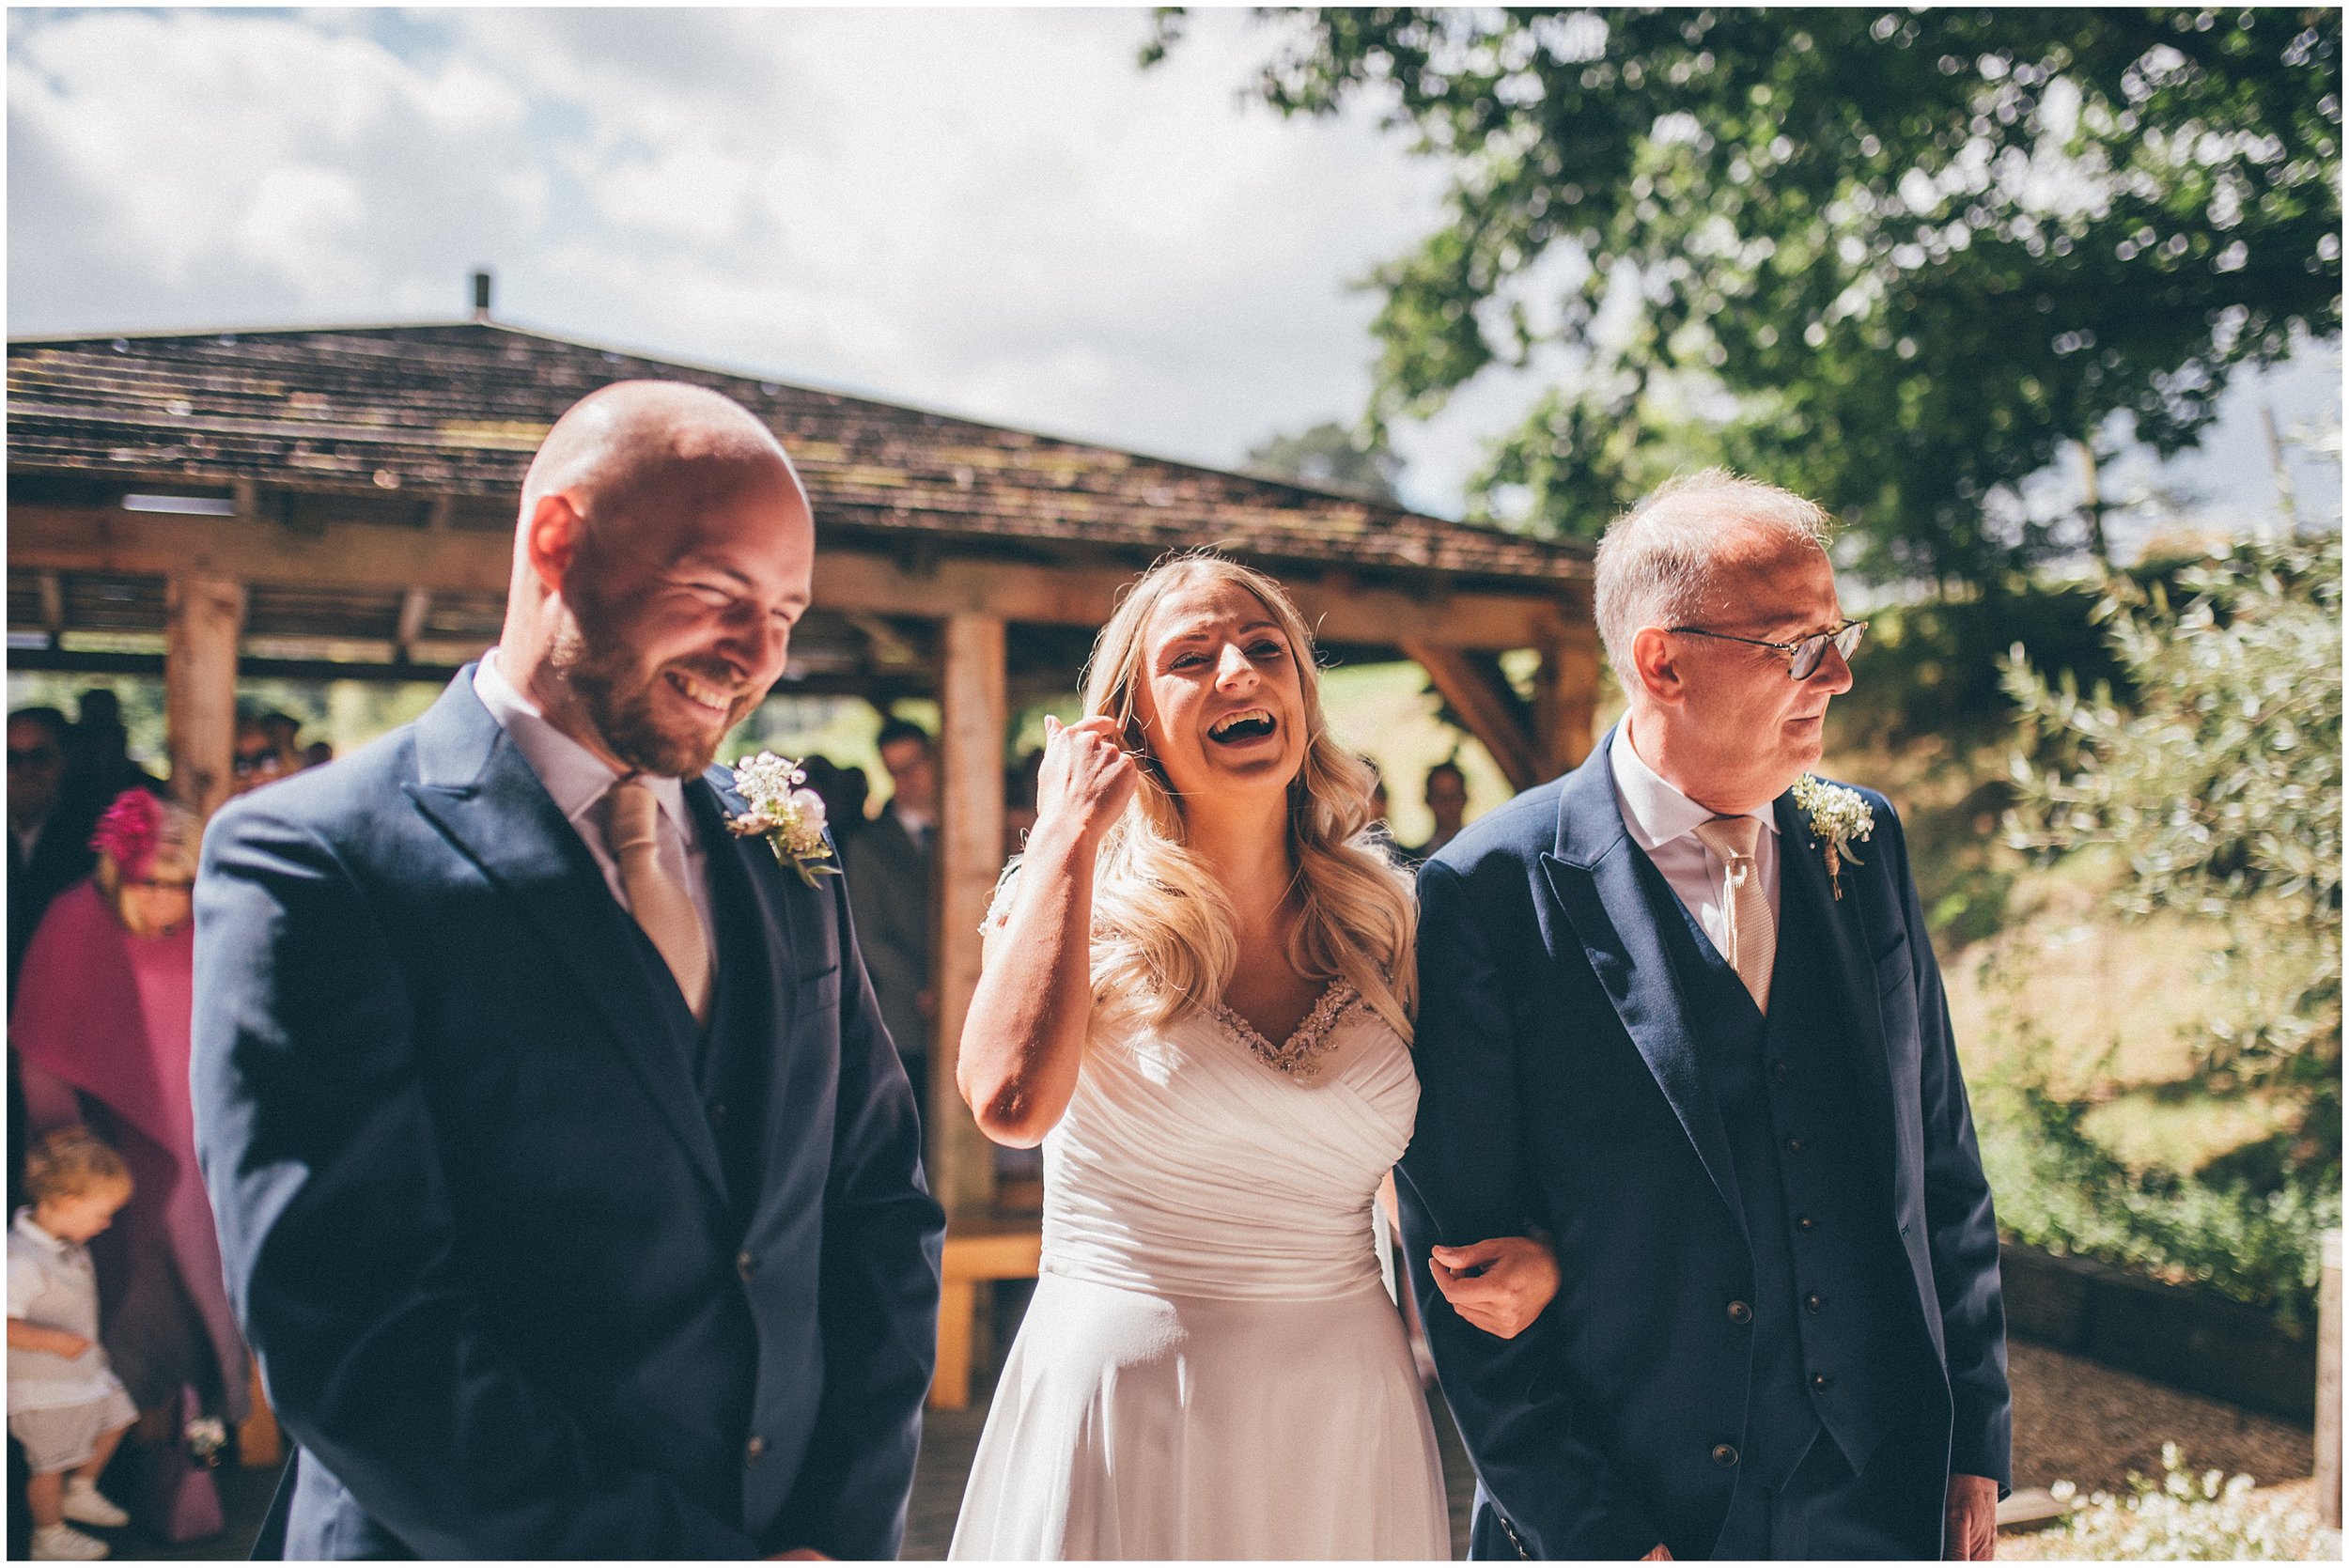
{"x":996,"y":212}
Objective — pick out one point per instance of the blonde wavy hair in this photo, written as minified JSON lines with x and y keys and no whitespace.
{"x":1163,"y":942}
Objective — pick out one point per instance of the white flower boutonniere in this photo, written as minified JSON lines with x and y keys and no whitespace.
{"x":1838,"y":815}
{"x":788,"y":816}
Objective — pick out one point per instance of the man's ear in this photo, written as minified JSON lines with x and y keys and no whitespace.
{"x":1655,"y":665}
{"x":552,"y":537}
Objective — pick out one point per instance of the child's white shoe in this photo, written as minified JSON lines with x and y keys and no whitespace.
{"x":84,"y":1504}
{"x":64,"y":1543}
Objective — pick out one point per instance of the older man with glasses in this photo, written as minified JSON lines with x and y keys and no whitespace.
{"x":1679,"y":1009}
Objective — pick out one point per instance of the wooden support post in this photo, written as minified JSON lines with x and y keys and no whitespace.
{"x":52,"y":606}
{"x":1489,"y":712}
{"x":972,"y":713}
{"x":1565,"y":700}
{"x":2329,"y":1385}
{"x":204,"y":617}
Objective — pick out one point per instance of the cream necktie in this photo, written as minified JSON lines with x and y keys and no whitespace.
{"x":1752,"y":935}
{"x":659,"y":902}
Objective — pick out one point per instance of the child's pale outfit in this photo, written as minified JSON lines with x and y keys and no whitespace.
{"x":58,"y":1407}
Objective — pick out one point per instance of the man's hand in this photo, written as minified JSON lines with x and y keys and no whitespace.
{"x":800,"y":1554}
{"x":1659,"y":1553}
{"x":1973,"y":1519}
{"x":1500,"y":1285}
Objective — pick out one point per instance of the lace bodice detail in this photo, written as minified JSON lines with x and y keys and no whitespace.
{"x":1304,"y":1054}
{"x":1197,"y":1158}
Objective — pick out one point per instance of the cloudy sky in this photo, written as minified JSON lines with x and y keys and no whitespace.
{"x":992,"y":212}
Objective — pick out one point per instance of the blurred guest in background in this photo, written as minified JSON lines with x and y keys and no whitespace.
{"x":317,"y":754}
{"x":843,"y":791}
{"x":891,"y":864}
{"x":1447,"y":802}
{"x":50,"y":817}
{"x":101,"y":1022}
{"x":99,"y":751}
{"x":254,"y":758}
{"x":285,"y":738}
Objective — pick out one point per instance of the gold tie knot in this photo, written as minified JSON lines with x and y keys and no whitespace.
{"x":1734,"y":839}
{"x":635,"y":812}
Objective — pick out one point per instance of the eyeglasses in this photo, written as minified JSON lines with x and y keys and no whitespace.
{"x":1803,"y":655}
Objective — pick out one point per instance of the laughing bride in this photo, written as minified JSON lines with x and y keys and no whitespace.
{"x":1197,"y":996}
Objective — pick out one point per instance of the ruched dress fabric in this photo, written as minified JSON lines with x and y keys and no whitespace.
{"x":1211,"y":1367}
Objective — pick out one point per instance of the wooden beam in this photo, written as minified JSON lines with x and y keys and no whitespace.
{"x":205,"y":616}
{"x":1488,"y":712}
{"x":972,"y":713}
{"x":1565,"y":700}
{"x":377,"y":557}
{"x":53,"y":606}
{"x":416,"y":605}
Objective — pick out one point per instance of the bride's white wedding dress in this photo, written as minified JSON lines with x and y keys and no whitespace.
{"x":1211,"y":1367}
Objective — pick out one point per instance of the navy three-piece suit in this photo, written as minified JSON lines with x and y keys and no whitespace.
{"x":1779,"y":1328}
{"x":534,"y":1266}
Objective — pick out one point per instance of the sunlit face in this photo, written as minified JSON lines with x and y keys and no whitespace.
{"x":681,"y":621}
{"x":1220,"y":694}
{"x":155,"y":906}
{"x":1747,"y":729}
{"x":79,"y":1215}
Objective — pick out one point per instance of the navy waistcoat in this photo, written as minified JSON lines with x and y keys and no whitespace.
{"x":1831,"y":1309}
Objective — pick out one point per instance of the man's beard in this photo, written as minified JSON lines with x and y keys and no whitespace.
{"x":619,"y":695}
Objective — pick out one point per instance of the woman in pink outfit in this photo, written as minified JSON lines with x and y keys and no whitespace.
{"x":100,"y":1023}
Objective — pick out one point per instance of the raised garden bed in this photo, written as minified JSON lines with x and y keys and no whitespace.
{"x":2174,"y":1334}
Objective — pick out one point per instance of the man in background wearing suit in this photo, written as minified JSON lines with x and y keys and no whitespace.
{"x":892,"y":883}
{"x":568,"y":1185}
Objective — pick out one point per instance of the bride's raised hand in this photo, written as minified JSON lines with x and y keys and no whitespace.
{"x":1498,"y":1285}
{"x":1086,"y":779}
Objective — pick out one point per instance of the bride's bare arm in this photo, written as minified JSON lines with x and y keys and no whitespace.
{"x":1500,"y":1285}
{"x":1024,"y":1038}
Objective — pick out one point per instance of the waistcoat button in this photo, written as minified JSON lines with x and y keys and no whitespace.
{"x":1740,"y":1313}
{"x":1725,"y":1456}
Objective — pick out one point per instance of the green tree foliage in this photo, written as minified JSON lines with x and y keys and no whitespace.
{"x":1329,"y":457}
{"x":1891,"y":259}
{"x":2221,"y":786}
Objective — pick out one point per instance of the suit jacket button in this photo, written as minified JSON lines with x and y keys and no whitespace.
{"x":1806,"y":1224}
{"x":1821,"y":1381}
{"x":1740,"y":1313}
{"x":1814,"y":1303}
{"x":751,"y":1450}
{"x":1793,"y":1145}
{"x":1725,"y":1456}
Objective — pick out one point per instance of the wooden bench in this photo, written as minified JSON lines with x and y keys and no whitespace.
{"x":992,"y":1244}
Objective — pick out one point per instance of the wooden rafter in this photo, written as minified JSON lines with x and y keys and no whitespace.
{"x":1486,"y":706}
{"x":391,"y":559}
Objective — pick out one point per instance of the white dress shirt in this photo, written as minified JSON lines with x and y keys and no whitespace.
{"x":1663,"y":822}
{"x":579,"y":782}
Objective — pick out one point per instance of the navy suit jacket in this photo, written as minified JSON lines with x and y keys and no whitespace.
{"x":472,"y":1209}
{"x":1559,"y":1090}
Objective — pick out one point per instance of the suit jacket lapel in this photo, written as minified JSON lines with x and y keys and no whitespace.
{"x":475,"y":784}
{"x":1846,"y":945}
{"x":1594,"y":877}
{"x":782,"y":944}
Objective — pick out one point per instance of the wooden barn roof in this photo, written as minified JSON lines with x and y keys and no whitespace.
{"x":389,"y":420}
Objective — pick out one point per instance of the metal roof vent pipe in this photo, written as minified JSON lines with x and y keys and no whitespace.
{"x":481,"y":294}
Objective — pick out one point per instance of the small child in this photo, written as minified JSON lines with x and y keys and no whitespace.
{"x":65,"y":1404}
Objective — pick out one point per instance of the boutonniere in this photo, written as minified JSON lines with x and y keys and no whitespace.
{"x":1838,"y":815}
{"x":784,"y":812}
